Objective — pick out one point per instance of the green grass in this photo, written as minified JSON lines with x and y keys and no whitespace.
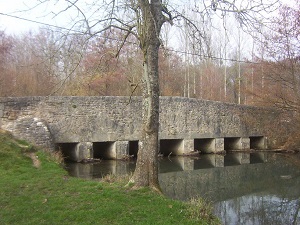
{"x":47,"y":195}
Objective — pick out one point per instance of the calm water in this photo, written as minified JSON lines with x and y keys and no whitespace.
{"x":258,"y":188}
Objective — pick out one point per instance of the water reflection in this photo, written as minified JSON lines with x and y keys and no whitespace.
{"x":259,"y":208}
{"x":166,"y":165}
{"x":100,"y":169}
{"x":246,"y":188}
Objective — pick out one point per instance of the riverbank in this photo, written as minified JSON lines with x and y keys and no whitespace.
{"x":35,"y":189}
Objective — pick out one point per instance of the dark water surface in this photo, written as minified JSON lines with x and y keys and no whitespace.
{"x":257,"y":188}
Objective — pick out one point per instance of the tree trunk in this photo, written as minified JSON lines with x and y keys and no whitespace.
{"x":146,"y":172}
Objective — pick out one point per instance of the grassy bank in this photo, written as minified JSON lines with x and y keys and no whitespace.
{"x":34,"y":189}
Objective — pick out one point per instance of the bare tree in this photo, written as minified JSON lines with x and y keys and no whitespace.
{"x":279,"y":63}
{"x":144,"y":19}
{"x":6,"y":80}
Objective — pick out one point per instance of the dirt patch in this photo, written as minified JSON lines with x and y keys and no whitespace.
{"x":35,"y":161}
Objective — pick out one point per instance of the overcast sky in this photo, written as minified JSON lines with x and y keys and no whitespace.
{"x":19,"y":8}
{"x":12,"y":25}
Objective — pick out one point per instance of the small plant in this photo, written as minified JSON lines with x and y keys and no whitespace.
{"x":113,"y":178}
{"x":56,"y":156}
{"x":199,"y":209}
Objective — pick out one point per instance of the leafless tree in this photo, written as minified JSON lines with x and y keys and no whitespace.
{"x":143,"y":19}
{"x":6,"y":79}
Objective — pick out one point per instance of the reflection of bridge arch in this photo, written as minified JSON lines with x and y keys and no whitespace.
{"x":167,"y":164}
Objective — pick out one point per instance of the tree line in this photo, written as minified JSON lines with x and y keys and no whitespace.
{"x":44,"y":63}
{"x":39,"y":64}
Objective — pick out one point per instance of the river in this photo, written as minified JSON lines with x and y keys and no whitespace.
{"x":258,"y":188}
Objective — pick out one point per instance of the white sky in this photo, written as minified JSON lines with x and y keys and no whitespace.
{"x":12,"y":25}
{"x":19,"y":8}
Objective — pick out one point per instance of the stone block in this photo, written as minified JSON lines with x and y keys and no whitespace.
{"x":219,"y":145}
{"x":245,"y":143}
{"x":188,"y":146}
{"x":83,"y":151}
{"x":121,"y":149}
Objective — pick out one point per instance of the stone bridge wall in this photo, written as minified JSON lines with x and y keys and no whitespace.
{"x":48,"y":121}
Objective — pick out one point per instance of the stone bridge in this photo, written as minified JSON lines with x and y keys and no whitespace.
{"x":110,"y":127}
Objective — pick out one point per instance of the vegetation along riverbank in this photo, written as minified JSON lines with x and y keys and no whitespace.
{"x":35,"y":189}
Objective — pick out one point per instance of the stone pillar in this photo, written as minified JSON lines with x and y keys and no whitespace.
{"x":188,"y":146}
{"x":238,"y":144}
{"x":83,"y":151}
{"x":245,"y":143}
{"x":265,"y":143}
{"x":219,"y":145}
{"x":121,"y":149}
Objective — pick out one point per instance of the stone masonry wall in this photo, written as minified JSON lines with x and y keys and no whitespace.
{"x":50,"y":120}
